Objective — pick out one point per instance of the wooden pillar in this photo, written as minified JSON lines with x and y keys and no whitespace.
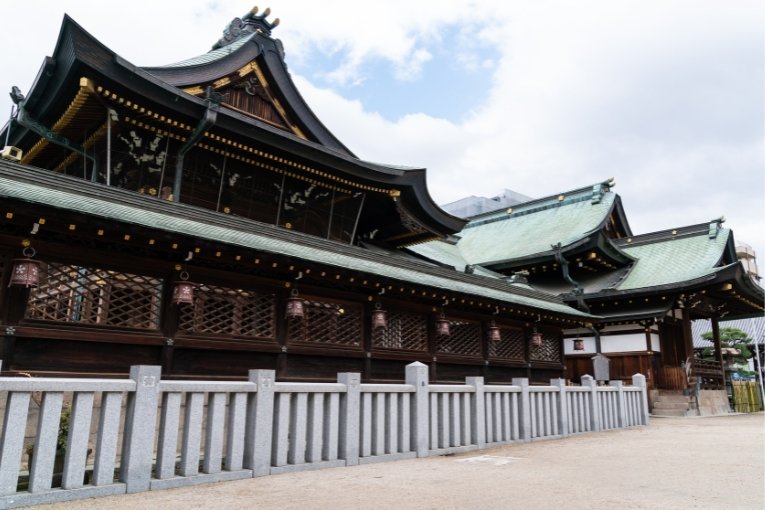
{"x":718,"y":347}
{"x":687,"y":334}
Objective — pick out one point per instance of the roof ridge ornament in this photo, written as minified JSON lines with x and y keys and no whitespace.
{"x":250,"y":23}
{"x":715,"y":226}
{"x":601,"y":189}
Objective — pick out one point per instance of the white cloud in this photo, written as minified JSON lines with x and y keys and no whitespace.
{"x":664,"y":96}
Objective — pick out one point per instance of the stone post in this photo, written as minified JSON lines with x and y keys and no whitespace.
{"x":260,"y":423}
{"x":350,"y":404}
{"x":417,"y":376}
{"x":588,"y":380}
{"x":524,"y":409}
{"x":140,"y":423}
{"x":562,"y":406}
{"x":478,"y":419}
{"x":639,"y":381}
{"x":622,"y":411}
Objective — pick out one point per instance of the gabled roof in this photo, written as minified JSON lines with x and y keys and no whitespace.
{"x":410,"y":214}
{"x":675,"y":256}
{"x":511,"y":237}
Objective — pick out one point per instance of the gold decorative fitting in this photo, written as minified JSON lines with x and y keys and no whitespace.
{"x":9,"y":216}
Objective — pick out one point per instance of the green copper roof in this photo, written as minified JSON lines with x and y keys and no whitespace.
{"x":213,"y":55}
{"x":119,"y":205}
{"x":674,"y":260}
{"x":531,"y":230}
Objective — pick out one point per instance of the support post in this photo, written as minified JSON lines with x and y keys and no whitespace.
{"x":417,"y":376}
{"x":622,"y":411}
{"x":478,"y":419}
{"x":562,"y":406}
{"x":140,"y":422}
{"x":260,"y":423}
{"x":349,"y":417}
{"x":639,"y":381}
{"x":590,"y":382}
{"x":718,"y":349}
{"x":525,"y":408}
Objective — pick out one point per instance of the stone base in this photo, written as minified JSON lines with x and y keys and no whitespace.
{"x":712,"y":402}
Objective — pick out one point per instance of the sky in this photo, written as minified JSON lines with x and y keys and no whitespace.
{"x":665,"y":96}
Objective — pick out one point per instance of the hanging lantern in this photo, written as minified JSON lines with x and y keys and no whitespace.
{"x":442,"y":325}
{"x":379,"y":317}
{"x":494,"y":334}
{"x":183,"y":292}
{"x":536,"y":338}
{"x":295,"y":306}
{"x":25,"y":272}
{"x":578,"y":344}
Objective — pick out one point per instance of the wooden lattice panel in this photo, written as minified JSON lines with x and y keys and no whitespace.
{"x":328,"y":323}
{"x":405,"y":331}
{"x":511,"y":345}
{"x":88,"y":295}
{"x":465,"y":339}
{"x":548,"y":351}
{"x":233,"y":312}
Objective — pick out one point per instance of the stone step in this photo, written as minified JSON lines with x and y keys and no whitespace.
{"x":669,"y":412}
{"x":670,"y":405}
{"x":672,"y":398}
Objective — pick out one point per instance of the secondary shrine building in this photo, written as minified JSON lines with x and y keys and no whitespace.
{"x":198,"y":216}
{"x":645,"y":289}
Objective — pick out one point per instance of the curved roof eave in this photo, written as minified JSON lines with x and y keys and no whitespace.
{"x":75,"y":44}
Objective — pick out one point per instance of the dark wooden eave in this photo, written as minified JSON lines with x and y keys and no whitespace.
{"x":79,"y":54}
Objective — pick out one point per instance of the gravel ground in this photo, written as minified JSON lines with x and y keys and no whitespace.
{"x":674,"y":463}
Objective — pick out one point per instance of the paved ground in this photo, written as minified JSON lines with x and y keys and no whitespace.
{"x":675,"y":463}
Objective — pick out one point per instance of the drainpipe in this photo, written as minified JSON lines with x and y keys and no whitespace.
{"x":29,"y":122}
{"x":213,"y":100}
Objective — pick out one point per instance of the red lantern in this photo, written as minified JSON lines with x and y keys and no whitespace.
{"x":295,"y":306}
{"x":536,"y":339}
{"x":183,"y":292}
{"x":25,"y":272}
{"x":494,"y":333}
{"x":442,"y":325}
{"x":578,"y":344}
{"x":379,"y":317}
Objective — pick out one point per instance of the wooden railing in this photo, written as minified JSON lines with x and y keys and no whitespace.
{"x":709,"y":374}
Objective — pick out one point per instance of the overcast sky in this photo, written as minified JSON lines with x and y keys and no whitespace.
{"x":539,"y":97}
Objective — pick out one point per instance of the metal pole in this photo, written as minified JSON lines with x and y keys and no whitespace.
{"x":164,"y":164}
{"x":358,"y":217}
{"x":759,"y":366}
{"x":222,"y":178}
{"x":109,"y":147}
{"x":281,"y":197}
{"x":331,"y":212}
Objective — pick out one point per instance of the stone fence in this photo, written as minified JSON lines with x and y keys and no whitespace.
{"x":176,"y":433}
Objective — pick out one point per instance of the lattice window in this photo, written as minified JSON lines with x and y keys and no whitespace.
{"x":548,"y":351}
{"x":465,"y":339}
{"x":328,"y":322}
{"x":405,"y":331}
{"x":510,"y":346}
{"x":95,"y":296}
{"x":234,"y":312}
